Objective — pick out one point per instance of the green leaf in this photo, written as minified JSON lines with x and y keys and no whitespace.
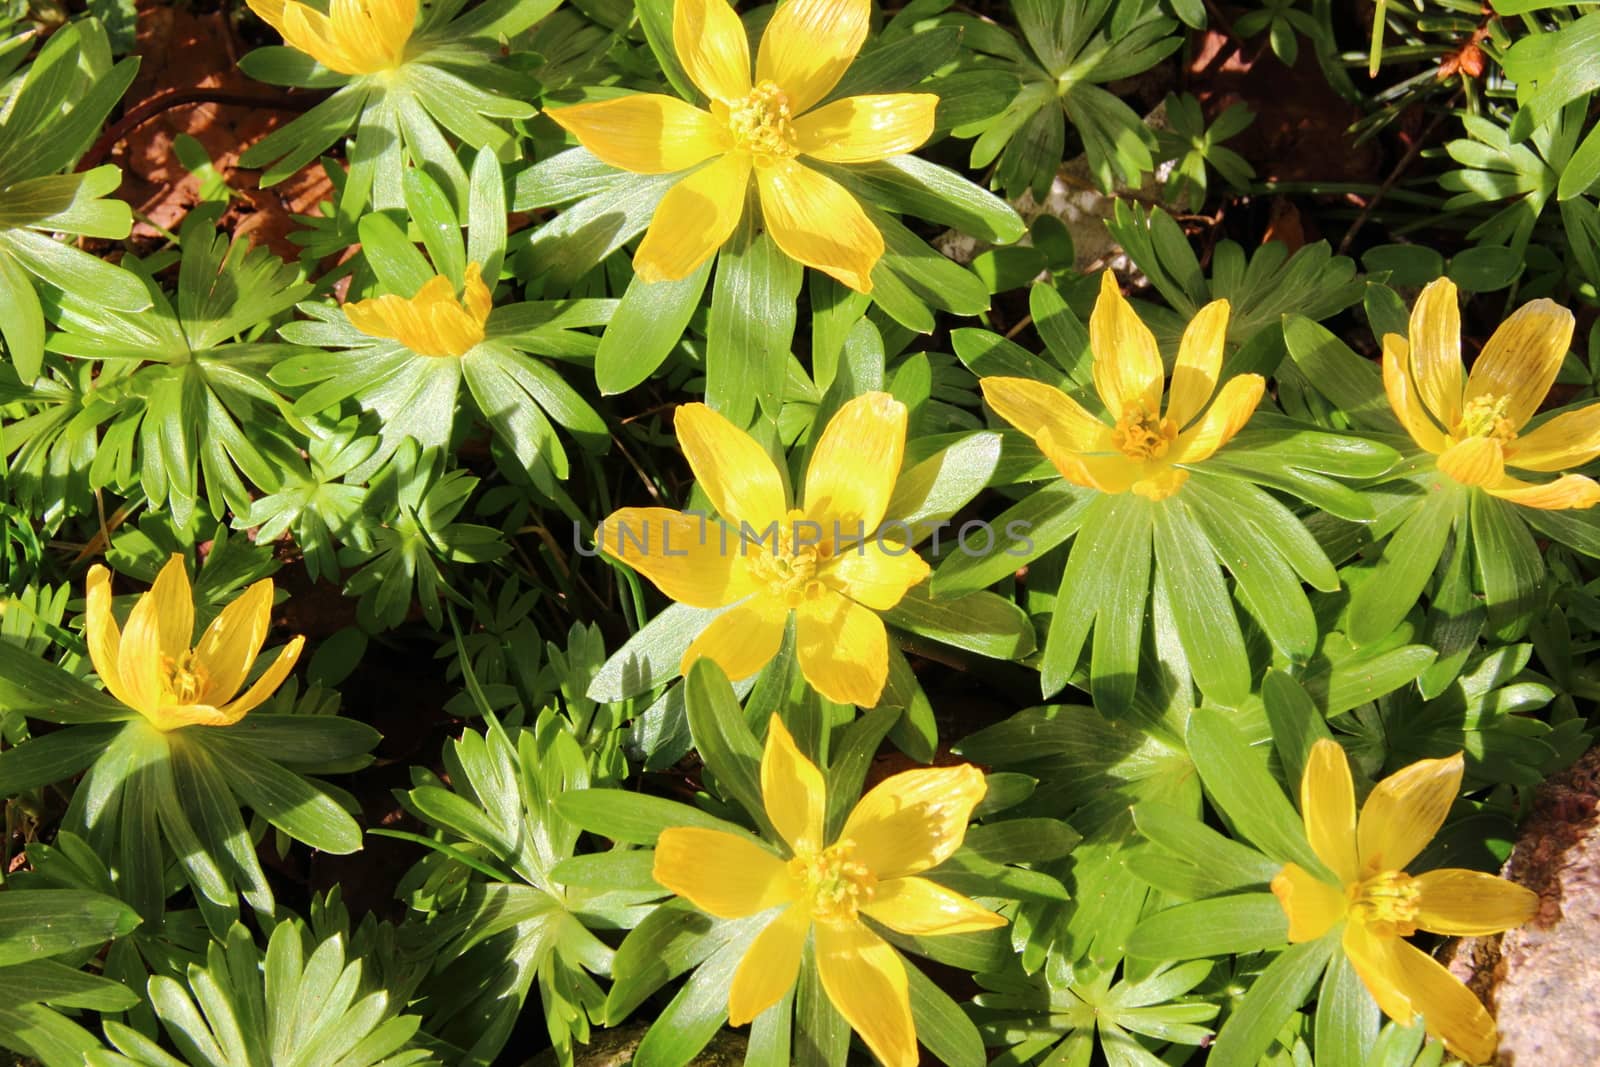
{"x":1296,"y":722}
{"x":750,"y":329}
{"x":40,"y":690}
{"x":1347,"y":1017}
{"x":942,"y":1027}
{"x":400,"y":267}
{"x":35,"y":923}
{"x":1245,"y":922}
{"x":1510,"y":565}
{"x":929,"y":493}
{"x":978,"y":622}
{"x":1231,"y":864}
{"x":1259,"y":1016}
{"x":1201,"y":607}
{"x":1238,"y":783}
{"x":1354,"y":384}
{"x":283,"y":798}
{"x":52,"y":757}
{"x":652,"y":655}
{"x":723,"y":738}
{"x":1386,"y":594}
{"x":1027,"y":530}
{"x":635,"y":818}
{"x":694,"y":1016}
{"x":648,"y":322}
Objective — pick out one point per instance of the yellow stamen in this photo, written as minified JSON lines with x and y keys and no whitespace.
{"x":1386,"y":902}
{"x":761,"y":124}
{"x":832,"y":885}
{"x":789,"y":571}
{"x":1485,"y":416}
{"x":1140,"y":434}
{"x":183,"y":679}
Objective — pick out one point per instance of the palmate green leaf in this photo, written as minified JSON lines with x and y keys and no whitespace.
{"x":634,"y":818}
{"x":699,"y":1009}
{"x":724,"y":740}
{"x":30,"y":686}
{"x":1347,"y":1017}
{"x":671,"y":939}
{"x":750,"y":327}
{"x":1220,"y":926}
{"x":1202,"y":610}
{"x":37,"y":1031}
{"x":1037,"y":523}
{"x":1275,"y":994}
{"x":651,"y":657}
{"x":978,"y":622}
{"x":1217,"y":862}
{"x":1397,"y":578}
{"x":649,"y":323}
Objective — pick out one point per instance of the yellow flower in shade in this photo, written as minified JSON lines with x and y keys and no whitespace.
{"x":432,"y":323}
{"x":1147,"y":450}
{"x":1475,"y":428}
{"x":151,"y":667}
{"x":1380,"y":904}
{"x":903,"y":826}
{"x":761,"y":126}
{"x":826,"y":563}
{"x":354,"y":37}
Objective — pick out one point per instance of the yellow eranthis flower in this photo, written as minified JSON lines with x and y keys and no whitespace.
{"x":1475,"y":427}
{"x":1147,"y":450}
{"x":1380,"y":904}
{"x":354,"y":37}
{"x":825,"y":563}
{"x":432,"y":323}
{"x":900,"y":828}
{"x":151,"y":667}
{"x":762,"y":126}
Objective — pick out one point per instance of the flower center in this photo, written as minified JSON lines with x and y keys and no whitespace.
{"x":183,"y":678}
{"x":1388,"y":901}
{"x":760,"y":124}
{"x":1141,"y":434}
{"x":1485,"y":416}
{"x":787,"y":566}
{"x":832,"y":885}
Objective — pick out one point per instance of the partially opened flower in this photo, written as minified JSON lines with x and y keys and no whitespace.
{"x":1380,"y":904}
{"x":905,"y":825}
{"x":1147,"y":449}
{"x":431,"y":323}
{"x":354,"y":37}
{"x":151,"y":667}
{"x":827,"y":563}
{"x":1475,"y":427}
{"x":762,"y":127}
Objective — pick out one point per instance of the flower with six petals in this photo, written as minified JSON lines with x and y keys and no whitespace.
{"x":1147,"y":449}
{"x":1475,"y":427}
{"x":1380,"y":905}
{"x":150,"y":666}
{"x":903,"y":826}
{"x":431,"y":323}
{"x":826,"y":563}
{"x":761,"y":127}
{"x":354,"y":37}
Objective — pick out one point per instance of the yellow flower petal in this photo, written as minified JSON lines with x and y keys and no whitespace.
{"x":1110,"y":472}
{"x":792,"y":790}
{"x":1311,"y":904}
{"x":713,"y":48}
{"x":875,"y":573}
{"x":1406,"y":981}
{"x":843,"y":649}
{"x":1476,"y":461}
{"x":918,"y":907}
{"x":1127,"y":366}
{"x":692,"y":559}
{"x":1403,"y":398}
{"x":808,"y":45}
{"x":769,"y":967}
{"x":265,"y":685}
{"x":1225,"y":417}
{"x":1033,"y":406}
{"x":1566,"y":441}
{"x":646,"y":133}
{"x":1404,"y":811}
{"x":103,"y":637}
{"x":1522,"y":358}
{"x":1328,"y":805}
{"x":1194,"y":377}
{"x":854,"y":466}
{"x":139,"y":656}
{"x":1435,"y":343}
{"x":915,"y":819}
{"x":735,"y":472}
{"x":1470,"y":903}
{"x":866,"y":981}
{"x":723,"y":875}
{"x":174,"y":606}
{"x":864,"y":129}
{"x":742,"y":639}
{"x":1163,"y":483}
{"x":430,"y":323}
{"x":817,"y":222}
{"x":694,"y":219}
{"x":230,"y":644}
{"x":1567,"y":491}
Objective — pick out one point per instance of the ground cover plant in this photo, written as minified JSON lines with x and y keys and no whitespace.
{"x":832,"y":531}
